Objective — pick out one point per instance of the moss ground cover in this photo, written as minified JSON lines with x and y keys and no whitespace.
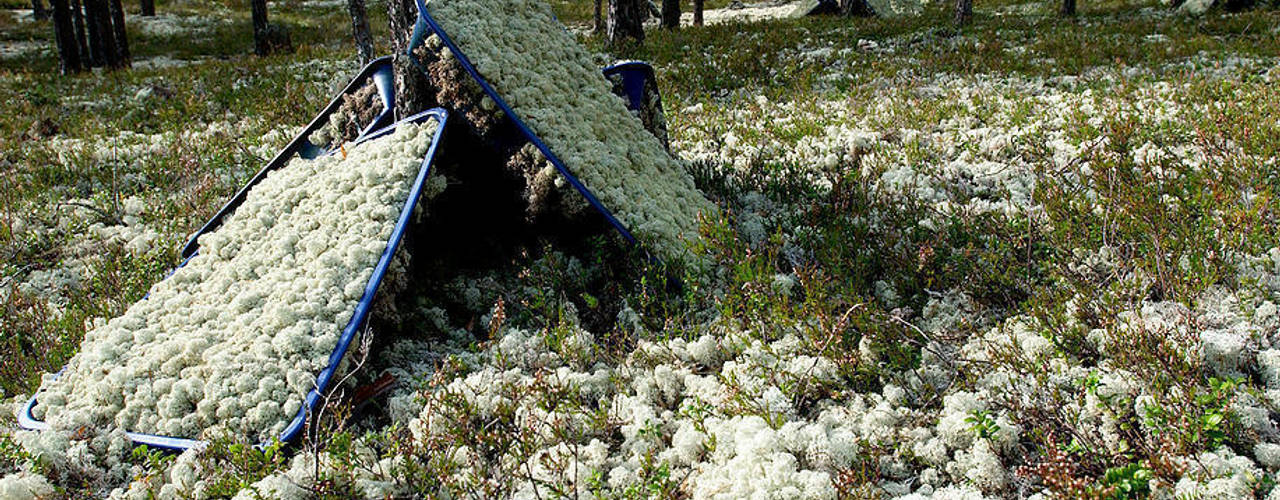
{"x":1027,"y":256}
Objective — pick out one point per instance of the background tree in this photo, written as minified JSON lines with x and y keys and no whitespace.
{"x":93,"y":31}
{"x":360,"y":30}
{"x":671,"y":14}
{"x":413,"y":91}
{"x":148,"y":8}
{"x":599,"y":18}
{"x":104,"y":49}
{"x":261,"y":33}
{"x":856,"y":8}
{"x":64,"y":35}
{"x":89,"y":34}
{"x":77,"y":18}
{"x":697,"y":12}
{"x":38,"y":11}
{"x":120,"y":37}
{"x":267,"y":37}
{"x":1068,"y":8}
{"x":964,"y":12}
{"x":626,"y":20}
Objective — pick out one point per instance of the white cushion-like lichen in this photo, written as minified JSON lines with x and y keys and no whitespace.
{"x":553,"y":84}
{"x":233,"y":339}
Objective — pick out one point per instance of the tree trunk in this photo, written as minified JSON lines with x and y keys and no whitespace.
{"x":1068,"y":8}
{"x":697,"y":12}
{"x":413,"y":91}
{"x":671,"y":14}
{"x":121,"y":37}
{"x":64,"y":33}
{"x":92,"y":29}
{"x":102,"y":43}
{"x":148,"y":8}
{"x":599,"y":26}
{"x":856,"y":8}
{"x":261,"y":44}
{"x":77,"y":19}
{"x":107,"y":33}
{"x":650,"y":10}
{"x":38,"y":11}
{"x":626,"y":18}
{"x":964,"y":12}
{"x":360,"y":30}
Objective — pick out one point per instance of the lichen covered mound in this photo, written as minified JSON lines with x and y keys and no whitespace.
{"x":233,"y":339}
{"x":553,"y":84}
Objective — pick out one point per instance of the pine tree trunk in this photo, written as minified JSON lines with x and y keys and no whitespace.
{"x":38,"y":11}
{"x":413,"y":91}
{"x":64,"y":33}
{"x":856,"y":8}
{"x":148,"y":8}
{"x":121,"y":37}
{"x":697,"y":12}
{"x":261,"y":44}
{"x":106,"y":32}
{"x":964,"y":12}
{"x":102,"y":46}
{"x":671,"y":14}
{"x":77,"y":18}
{"x":1068,"y":8}
{"x":626,"y":18}
{"x":360,"y":30}
{"x":94,"y":34}
{"x":599,"y":26}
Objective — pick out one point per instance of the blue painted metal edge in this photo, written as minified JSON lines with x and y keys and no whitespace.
{"x":294,"y":429}
{"x":635,"y":74}
{"x":426,"y":23}
{"x":28,"y":421}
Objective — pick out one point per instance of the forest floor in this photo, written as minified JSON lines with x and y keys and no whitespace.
{"x":1032,"y":255}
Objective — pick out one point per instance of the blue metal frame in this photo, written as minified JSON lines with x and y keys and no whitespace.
{"x":635,"y":75}
{"x":425,"y":24}
{"x":28,"y":421}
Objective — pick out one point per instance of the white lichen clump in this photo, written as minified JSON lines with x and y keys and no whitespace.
{"x":559,"y":92}
{"x":25,"y":485}
{"x":233,"y":339}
